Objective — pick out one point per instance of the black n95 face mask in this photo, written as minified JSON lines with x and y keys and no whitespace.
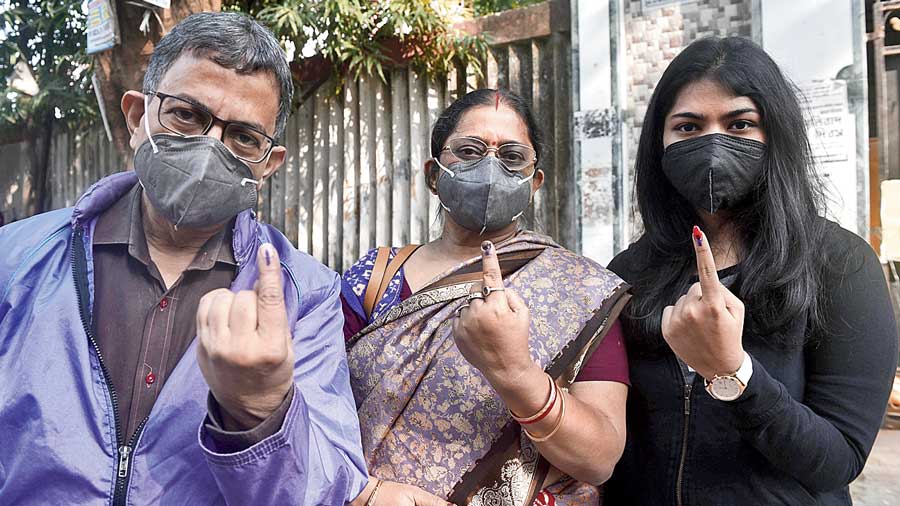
{"x":714,"y":171}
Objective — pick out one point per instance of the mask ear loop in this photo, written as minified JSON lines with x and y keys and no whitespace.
{"x":244,"y":182}
{"x":147,"y":123}
{"x":452,"y":174}
{"x":527,"y":179}
{"x":445,"y":169}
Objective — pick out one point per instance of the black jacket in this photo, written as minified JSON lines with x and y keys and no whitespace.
{"x":803,"y":428}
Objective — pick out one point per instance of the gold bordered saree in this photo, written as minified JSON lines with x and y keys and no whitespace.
{"x":430,"y":419}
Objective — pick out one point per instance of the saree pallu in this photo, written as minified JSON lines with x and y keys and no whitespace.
{"x":430,"y":419}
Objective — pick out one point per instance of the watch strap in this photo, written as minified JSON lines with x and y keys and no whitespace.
{"x":746,"y":370}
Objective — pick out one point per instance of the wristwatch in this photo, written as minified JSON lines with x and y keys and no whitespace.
{"x":729,"y":387}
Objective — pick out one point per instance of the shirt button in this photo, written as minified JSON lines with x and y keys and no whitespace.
{"x":150,"y":378}
{"x":164,"y":303}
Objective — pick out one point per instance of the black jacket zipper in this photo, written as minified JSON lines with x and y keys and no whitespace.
{"x":684,"y":441}
{"x":123,"y":467}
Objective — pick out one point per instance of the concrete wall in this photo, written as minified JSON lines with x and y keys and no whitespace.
{"x":827,"y":62}
{"x":653,"y":37}
{"x":623,"y":48}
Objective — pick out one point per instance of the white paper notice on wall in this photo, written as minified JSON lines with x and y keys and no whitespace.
{"x":829,"y":120}
{"x":102,"y":32}
{"x":832,"y":137}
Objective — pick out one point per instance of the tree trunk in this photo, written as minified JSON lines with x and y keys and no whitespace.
{"x":122,"y":68}
{"x":36,"y":193}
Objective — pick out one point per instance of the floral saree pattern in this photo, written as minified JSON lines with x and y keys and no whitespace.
{"x":430,"y":419}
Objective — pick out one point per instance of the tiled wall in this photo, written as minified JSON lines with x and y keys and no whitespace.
{"x":653,"y":37}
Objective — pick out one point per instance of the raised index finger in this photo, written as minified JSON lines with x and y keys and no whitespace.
{"x":270,"y":308}
{"x":490,"y":268}
{"x":706,"y":268}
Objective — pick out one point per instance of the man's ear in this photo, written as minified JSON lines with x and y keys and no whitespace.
{"x":274,"y":162}
{"x":133,"y":109}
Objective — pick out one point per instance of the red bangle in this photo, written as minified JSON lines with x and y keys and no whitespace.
{"x":551,"y":402}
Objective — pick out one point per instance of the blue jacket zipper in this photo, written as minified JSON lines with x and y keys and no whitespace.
{"x":124,"y":450}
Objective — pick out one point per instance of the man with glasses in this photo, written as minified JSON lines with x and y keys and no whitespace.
{"x":107,"y":395}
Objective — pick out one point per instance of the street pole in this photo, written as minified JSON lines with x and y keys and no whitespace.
{"x":881,"y":107}
{"x":881,"y":11}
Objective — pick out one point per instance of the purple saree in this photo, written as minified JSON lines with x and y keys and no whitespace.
{"x":430,"y":419}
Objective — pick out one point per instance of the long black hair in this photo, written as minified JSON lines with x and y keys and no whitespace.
{"x":779,"y":223}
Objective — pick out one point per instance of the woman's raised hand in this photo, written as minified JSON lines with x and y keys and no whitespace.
{"x":705,"y":327}
{"x":491,"y":331}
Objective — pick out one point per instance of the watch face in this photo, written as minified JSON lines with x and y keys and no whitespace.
{"x":726,"y":388}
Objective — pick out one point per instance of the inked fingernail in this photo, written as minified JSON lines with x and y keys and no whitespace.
{"x":487,"y":247}
{"x":268,"y":253}
{"x":698,"y":235}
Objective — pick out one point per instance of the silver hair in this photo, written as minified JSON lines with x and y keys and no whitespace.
{"x":232,"y":40}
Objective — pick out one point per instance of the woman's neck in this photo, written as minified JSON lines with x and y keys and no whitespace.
{"x":725,"y":241}
{"x":458,"y":242}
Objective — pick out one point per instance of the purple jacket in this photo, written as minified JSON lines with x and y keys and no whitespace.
{"x":58,"y":435}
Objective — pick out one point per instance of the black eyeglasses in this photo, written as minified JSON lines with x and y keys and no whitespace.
{"x":187,"y":119}
{"x":515,"y":156}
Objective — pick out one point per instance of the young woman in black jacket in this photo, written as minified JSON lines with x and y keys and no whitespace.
{"x":764,"y":379}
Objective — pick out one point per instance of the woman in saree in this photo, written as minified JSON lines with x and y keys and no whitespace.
{"x":488,"y":365}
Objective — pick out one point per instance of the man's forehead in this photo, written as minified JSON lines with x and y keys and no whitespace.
{"x":230,"y":95}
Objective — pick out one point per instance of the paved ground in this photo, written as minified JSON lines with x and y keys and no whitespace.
{"x":879,"y":484}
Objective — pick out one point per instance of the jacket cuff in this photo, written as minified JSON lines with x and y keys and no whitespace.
{"x":232,"y":447}
{"x":761,"y":401}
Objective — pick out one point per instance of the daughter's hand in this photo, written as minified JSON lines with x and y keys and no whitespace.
{"x":705,"y":327}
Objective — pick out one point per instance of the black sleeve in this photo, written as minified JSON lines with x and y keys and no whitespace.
{"x":823,"y":441}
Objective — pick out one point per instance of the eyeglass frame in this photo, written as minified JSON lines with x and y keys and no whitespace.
{"x":495,"y":150}
{"x":214,"y":119}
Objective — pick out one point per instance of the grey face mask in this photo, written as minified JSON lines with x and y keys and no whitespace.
{"x":483,"y":195}
{"x":195,"y":182}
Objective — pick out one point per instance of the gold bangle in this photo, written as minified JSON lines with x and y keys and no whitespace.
{"x":559,"y":421}
{"x":371,"y":501}
{"x":551,"y":399}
